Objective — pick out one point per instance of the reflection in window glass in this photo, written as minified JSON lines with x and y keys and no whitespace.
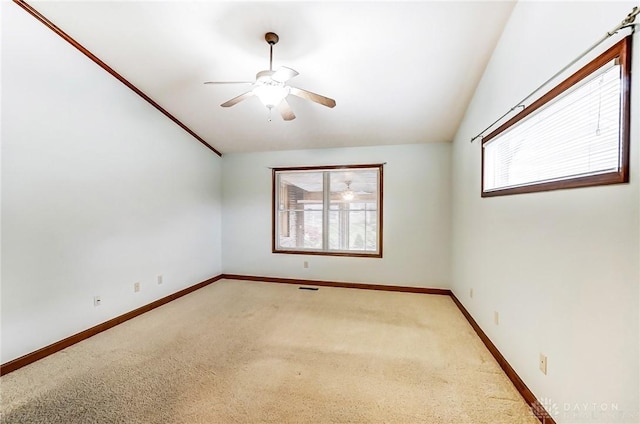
{"x":332,"y":211}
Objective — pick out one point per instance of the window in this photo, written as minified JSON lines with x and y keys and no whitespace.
{"x":576,"y":135}
{"x":334,"y":210}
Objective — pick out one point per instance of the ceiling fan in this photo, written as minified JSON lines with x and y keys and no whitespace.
{"x":270,"y":87}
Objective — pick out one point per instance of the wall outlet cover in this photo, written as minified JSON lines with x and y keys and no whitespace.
{"x":543,"y":363}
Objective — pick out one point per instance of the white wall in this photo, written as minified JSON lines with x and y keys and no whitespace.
{"x":99,"y":190}
{"x":562,"y":267}
{"x":416,"y":217}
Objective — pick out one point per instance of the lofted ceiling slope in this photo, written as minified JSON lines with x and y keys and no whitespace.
{"x":400,"y":72}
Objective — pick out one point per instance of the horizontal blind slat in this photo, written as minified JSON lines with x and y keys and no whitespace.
{"x":576,"y":134}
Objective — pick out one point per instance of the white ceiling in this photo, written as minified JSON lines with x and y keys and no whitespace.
{"x":400,"y":72}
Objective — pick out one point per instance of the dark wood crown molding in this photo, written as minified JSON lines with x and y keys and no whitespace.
{"x":33,"y":12}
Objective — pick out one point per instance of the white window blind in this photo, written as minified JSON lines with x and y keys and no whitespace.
{"x":575,"y":135}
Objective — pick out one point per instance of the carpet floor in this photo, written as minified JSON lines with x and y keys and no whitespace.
{"x":250,"y":352}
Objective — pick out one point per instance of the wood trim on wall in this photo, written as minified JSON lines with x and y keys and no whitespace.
{"x":330,"y":167}
{"x":33,"y":12}
{"x":622,"y":51}
{"x":341,"y":284}
{"x":83,"y":335}
{"x":536,"y":407}
{"x":328,"y":252}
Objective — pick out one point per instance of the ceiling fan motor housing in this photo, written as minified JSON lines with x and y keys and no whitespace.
{"x":271,"y":38}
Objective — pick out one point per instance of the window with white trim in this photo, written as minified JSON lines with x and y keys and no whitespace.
{"x":576,"y":135}
{"x":334,"y":210}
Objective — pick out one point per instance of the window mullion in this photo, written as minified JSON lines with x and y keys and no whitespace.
{"x":326,"y":203}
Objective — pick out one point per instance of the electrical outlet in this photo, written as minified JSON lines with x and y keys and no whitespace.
{"x":159,"y":279}
{"x":471,"y":293}
{"x":496,"y":318}
{"x":543,"y":363}
{"x":136,"y":287}
{"x":97,"y":301}
{"x":306,"y":264}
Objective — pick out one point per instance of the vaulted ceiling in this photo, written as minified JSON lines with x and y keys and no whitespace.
{"x":400,"y":72}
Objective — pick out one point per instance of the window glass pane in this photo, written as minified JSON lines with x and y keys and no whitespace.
{"x":576,"y":135}
{"x":371,"y":229}
{"x":350,"y":191}
{"x":331,"y":211}
{"x":357,"y":226}
{"x":312,"y":228}
{"x":299,"y":222}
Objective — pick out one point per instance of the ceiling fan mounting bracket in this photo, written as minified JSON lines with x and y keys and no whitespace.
{"x":271,"y":38}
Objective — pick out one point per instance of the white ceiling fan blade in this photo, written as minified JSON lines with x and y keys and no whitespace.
{"x":283,"y":74}
{"x":325,"y":101}
{"x":285,"y":110}
{"x":229,"y":82}
{"x":237,"y":99}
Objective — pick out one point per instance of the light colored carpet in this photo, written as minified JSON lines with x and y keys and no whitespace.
{"x":248,"y":352}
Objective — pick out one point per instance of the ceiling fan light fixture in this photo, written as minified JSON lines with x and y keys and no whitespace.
{"x":271,"y":95}
{"x":269,"y":87}
{"x":348,"y":194}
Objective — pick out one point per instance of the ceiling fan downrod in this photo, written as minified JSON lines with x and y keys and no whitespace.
{"x":271,"y":38}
